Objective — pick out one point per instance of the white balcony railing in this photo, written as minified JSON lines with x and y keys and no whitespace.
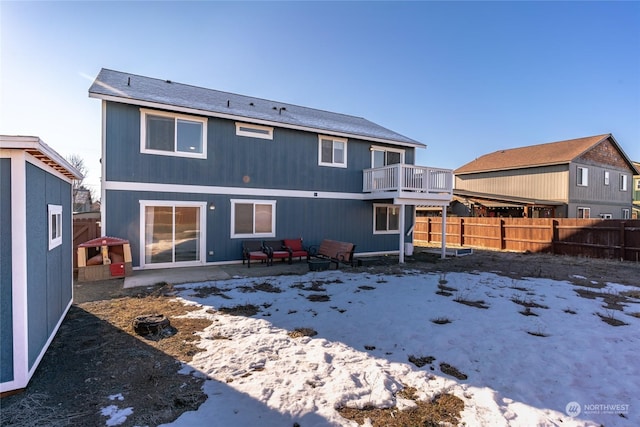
{"x":426,"y":182}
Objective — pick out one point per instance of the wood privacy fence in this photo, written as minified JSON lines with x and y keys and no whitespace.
{"x":594,"y":238}
{"x":84,"y":229}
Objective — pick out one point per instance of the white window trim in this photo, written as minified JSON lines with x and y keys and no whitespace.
{"x":623,"y":182}
{"x":637,"y":184}
{"x":175,"y":153}
{"x":582,"y":175}
{"x":626,"y":213}
{"x":53,"y":212}
{"x":584,"y":210}
{"x":254,"y":131}
{"x":235,"y":235}
{"x":381,"y":148}
{"x":388,"y":206}
{"x":334,"y":139}
{"x":606,"y":177}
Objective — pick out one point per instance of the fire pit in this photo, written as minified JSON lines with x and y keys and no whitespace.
{"x":149,"y":324}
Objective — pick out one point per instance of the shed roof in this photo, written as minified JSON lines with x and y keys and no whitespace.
{"x":41,"y":151}
{"x":139,"y":90}
{"x":552,"y":153}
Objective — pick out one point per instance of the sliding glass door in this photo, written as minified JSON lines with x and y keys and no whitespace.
{"x":172,"y":233}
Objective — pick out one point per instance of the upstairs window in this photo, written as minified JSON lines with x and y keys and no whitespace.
{"x":332,"y":151}
{"x":254,"y":131}
{"x":623,"y":182}
{"x":637,"y":184}
{"x":173,"y":134}
{"x":583,"y":177}
{"x":606,"y":177}
{"x":55,"y":225}
{"x":382,"y":156}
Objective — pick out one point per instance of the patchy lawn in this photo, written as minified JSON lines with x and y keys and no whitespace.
{"x":392,"y":350}
{"x":480,"y":340}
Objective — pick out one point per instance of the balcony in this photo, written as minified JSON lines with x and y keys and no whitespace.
{"x":409,"y":184}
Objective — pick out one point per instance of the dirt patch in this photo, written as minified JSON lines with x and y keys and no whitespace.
{"x":421,"y":361}
{"x":302,"y":332}
{"x":471,"y":303}
{"x":318,"y":297}
{"x":246,"y":310}
{"x":453,"y":371}
{"x":443,"y":409}
{"x":96,"y":354}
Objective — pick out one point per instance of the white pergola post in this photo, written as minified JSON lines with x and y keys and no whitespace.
{"x":401,"y":229}
{"x":443,"y":239}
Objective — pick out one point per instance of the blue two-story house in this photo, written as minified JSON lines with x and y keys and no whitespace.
{"x":188,"y":173}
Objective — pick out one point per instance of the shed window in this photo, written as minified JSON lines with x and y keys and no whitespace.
{"x":583,"y":177}
{"x":55,"y":225}
{"x":253,"y":218}
{"x":173,"y":134}
{"x":332,"y":151}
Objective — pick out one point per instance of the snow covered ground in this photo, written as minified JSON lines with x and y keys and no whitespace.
{"x":554,"y":363}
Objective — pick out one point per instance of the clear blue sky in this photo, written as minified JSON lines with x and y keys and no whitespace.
{"x":464,"y":78}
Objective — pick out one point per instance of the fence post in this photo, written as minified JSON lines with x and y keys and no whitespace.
{"x":502,"y":235}
{"x":461,"y":231}
{"x":555,"y":235}
{"x":428,"y":229}
{"x":622,"y":229}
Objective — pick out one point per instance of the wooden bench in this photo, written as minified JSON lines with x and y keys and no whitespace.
{"x":334,"y":251}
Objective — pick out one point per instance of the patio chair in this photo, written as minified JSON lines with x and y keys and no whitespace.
{"x":276,"y":250}
{"x":295,"y":248}
{"x":254,"y":250}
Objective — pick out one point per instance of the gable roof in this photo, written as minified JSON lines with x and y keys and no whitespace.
{"x":552,"y":153}
{"x":128,"y":88}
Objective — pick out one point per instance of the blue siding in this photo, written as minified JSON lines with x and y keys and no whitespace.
{"x":311,"y":219}
{"x":289,"y":161}
{"x":49,"y":283}
{"x":6,"y":309}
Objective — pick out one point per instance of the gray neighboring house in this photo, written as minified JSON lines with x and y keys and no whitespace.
{"x":587,"y":177}
{"x":36,"y":264}
{"x":189,"y":173}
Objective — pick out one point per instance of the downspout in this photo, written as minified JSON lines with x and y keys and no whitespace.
{"x":401,"y":233}
{"x":443,"y":239}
